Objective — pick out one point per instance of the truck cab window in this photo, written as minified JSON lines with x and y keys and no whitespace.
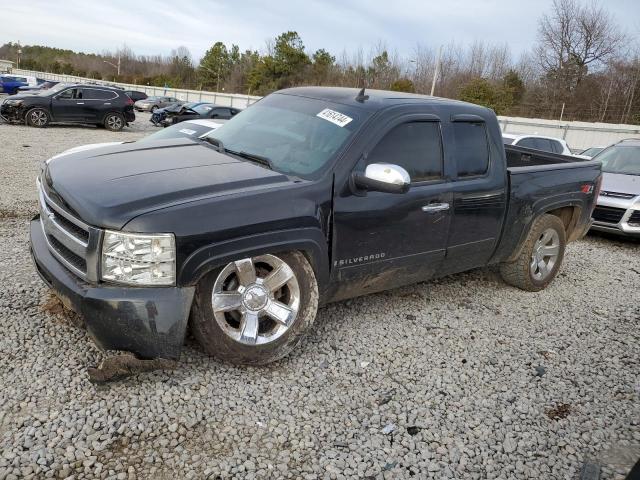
{"x":415,"y":146}
{"x":471,"y":148}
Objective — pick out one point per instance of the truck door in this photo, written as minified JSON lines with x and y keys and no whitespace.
{"x":381,"y":239}
{"x":479,"y":193}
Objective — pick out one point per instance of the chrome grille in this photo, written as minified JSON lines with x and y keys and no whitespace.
{"x":74,"y":243}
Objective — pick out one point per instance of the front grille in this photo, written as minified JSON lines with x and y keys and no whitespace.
{"x":608,"y":214}
{"x":634,"y":219}
{"x":76,"y":230}
{"x":75,"y":260}
{"x":74,"y":243}
{"x":608,"y":194}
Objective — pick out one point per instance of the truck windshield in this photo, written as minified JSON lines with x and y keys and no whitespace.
{"x":619,"y":159}
{"x":298,"y":135}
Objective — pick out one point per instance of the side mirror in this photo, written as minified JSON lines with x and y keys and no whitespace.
{"x":383,"y":177}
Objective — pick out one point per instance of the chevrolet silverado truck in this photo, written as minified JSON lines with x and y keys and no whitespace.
{"x":311,"y":195}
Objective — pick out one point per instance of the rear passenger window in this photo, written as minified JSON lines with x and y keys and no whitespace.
{"x":95,"y":94}
{"x":471,"y":147}
{"x":414,"y":146}
{"x":556,"y":146}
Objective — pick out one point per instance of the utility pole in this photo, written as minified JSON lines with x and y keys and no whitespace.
{"x":562,"y":111}
{"x":436,"y":72}
{"x":117,"y":67}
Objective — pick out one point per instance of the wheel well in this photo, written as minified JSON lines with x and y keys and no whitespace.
{"x":569,"y":216}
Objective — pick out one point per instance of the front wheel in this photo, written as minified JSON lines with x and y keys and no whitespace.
{"x":114,"y":122}
{"x":540,"y":258}
{"x":38,"y":117}
{"x":255,"y":310}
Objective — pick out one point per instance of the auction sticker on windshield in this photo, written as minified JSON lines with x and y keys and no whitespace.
{"x":187,"y":131}
{"x":332,"y":116}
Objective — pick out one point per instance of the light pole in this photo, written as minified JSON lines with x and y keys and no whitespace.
{"x":117,"y":67}
{"x":215,"y":73}
{"x":18,"y":60}
{"x":436,"y":72}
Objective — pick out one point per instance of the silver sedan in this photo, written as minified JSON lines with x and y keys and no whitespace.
{"x":151,"y":104}
{"x":618,"y":206}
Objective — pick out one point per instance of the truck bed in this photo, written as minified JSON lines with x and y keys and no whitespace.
{"x":528,"y":157}
{"x":540,"y":181}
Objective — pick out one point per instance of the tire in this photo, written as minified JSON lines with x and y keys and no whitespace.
{"x":244,"y":300}
{"x":114,"y":122}
{"x":37,"y":117}
{"x":540,"y":258}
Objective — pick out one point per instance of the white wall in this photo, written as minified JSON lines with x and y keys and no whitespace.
{"x":579,"y":135}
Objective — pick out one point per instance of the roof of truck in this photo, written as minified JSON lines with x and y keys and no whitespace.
{"x":377,"y":100}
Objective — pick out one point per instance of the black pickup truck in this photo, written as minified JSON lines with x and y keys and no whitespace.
{"x":311,"y":195}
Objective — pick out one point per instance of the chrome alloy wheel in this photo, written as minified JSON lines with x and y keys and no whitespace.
{"x":114,"y":122}
{"x":256,"y":300}
{"x":545,"y":254}
{"x":38,"y":118}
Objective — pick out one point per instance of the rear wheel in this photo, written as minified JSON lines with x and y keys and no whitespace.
{"x":540,"y":258}
{"x":255,"y":310}
{"x":114,"y":122}
{"x":38,"y":117}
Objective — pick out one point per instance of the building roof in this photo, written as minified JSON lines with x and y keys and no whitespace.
{"x":6,"y":61}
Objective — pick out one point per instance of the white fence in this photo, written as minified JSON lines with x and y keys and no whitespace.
{"x":579,"y":135}
{"x":222,"y":99}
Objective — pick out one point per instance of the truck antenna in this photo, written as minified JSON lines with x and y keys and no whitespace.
{"x":361,"y":96}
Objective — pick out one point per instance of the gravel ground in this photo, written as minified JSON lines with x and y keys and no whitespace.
{"x":463,"y":377}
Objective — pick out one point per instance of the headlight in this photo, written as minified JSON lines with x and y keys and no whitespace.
{"x":13,"y":103}
{"x":138,"y":259}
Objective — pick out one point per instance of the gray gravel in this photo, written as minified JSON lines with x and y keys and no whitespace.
{"x":463,"y":377}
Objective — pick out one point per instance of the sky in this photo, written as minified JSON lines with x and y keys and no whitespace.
{"x":153,"y":27}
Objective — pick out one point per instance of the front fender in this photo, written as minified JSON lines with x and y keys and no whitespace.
{"x":311,"y":241}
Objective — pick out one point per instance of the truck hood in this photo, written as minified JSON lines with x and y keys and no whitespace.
{"x":616,"y":182}
{"x":109,"y":186}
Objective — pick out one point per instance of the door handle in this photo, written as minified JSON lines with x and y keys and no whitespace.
{"x":79,"y":103}
{"x":435,"y":207}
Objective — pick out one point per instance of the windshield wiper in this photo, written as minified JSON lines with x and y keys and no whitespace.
{"x":253,"y":157}
{"x":215,"y":142}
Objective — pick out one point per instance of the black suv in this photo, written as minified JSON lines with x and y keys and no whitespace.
{"x":104,"y":106}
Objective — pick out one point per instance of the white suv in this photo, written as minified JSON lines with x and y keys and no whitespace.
{"x":538,"y":142}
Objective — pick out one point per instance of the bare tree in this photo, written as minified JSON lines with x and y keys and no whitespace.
{"x":574,"y":38}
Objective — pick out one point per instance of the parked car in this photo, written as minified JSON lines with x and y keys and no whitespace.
{"x":45,"y":85}
{"x":618,"y":205}
{"x":311,"y":195}
{"x":10,"y":85}
{"x":189,"y":129}
{"x":72,"y":103}
{"x":179,"y":113}
{"x":538,"y":142}
{"x":591,"y":152}
{"x":135,"y":95}
{"x":151,"y":104}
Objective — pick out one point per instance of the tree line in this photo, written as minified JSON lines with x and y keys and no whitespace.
{"x":582,"y":67}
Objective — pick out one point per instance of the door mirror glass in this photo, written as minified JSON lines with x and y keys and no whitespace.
{"x":383,"y":177}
